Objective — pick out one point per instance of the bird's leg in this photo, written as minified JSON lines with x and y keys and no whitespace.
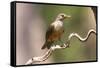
{"x":61,"y":42}
{"x":64,"y":44}
{"x":67,"y":43}
{"x":54,"y":43}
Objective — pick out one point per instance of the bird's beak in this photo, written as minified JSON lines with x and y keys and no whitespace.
{"x":67,"y":16}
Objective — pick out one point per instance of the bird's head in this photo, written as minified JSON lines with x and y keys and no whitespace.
{"x":62,"y":16}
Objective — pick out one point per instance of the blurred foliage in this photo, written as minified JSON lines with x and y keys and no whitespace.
{"x":77,"y":50}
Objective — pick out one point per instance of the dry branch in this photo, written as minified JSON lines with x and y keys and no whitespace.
{"x":65,"y":45}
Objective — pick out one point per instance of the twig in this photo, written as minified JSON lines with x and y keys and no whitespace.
{"x":65,"y":45}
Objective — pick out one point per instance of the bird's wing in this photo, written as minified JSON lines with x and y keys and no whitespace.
{"x":49,"y":32}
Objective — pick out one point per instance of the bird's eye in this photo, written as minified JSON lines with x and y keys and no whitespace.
{"x":62,"y":15}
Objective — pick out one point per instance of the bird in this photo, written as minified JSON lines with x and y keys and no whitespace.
{"x":55,"y":31}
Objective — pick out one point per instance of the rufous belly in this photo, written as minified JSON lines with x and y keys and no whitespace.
{"x":55,"y":36}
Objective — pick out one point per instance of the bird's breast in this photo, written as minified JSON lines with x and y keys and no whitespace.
{"x":58,"y":25}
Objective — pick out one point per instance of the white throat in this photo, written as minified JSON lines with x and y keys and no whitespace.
{"x":57,"y":24}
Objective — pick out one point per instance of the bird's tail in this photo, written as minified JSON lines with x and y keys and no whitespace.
{"x":46,"y":45}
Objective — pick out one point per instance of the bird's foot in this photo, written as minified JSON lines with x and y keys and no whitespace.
{"x":65,"y":45}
